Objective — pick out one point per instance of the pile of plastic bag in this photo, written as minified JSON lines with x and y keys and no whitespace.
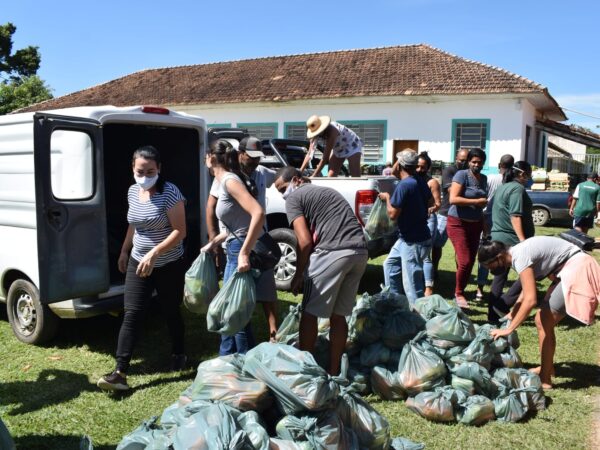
{"x":274,"y":397}
{"x":444,"y":366}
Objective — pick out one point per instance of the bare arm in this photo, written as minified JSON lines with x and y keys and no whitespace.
{"x":326,"y":152}
{"x":572,"y":206}
{"x":392,"y":212}
{"x":126,"y":249}
{"x":309,"y":155}
{"x":517,"y":223}
{"x":457,"y":199}
{"x":434,"y":185}
{"x":526,"y":303}
{"x":304,"y":249}
{"x":212,"y":223}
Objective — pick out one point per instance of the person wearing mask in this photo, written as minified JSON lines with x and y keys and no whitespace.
{"x":331,"y":258}
{"x":409,"y":206}
{"x":151,"y":259}
{"x":585,"y":204}
{"x":512,"y":223}
{"x":341,"y":144}
{"x":260,"y":178}
{"x":574,"y":291}
{"x":241,"y":214}
{"x":494,"y":181}
{"x":388,"y":171}
{"x":441,"y":237}
{"x":423,"y":168}
{"x":468,"y":197}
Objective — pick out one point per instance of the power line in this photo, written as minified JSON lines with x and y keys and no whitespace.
{"x":583,"y":114}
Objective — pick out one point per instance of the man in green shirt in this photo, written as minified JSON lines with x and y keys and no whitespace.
{"x":585,"y":204}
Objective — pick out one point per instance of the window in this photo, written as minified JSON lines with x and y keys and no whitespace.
{"x":72,"y":166}
{"x":470,"y":133}
{"x":260,"y":130}
{"x":373,"y":136}
{"x":295,"y":130}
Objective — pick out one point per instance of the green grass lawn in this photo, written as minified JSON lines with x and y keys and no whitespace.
{"x":48,"y":397}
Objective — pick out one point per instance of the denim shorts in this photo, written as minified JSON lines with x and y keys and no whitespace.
{"x":440,"y":237}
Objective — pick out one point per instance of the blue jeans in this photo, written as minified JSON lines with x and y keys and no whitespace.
{"x":403,"y":268}
{"x":242,"y":341}
{"x":432,"y":224}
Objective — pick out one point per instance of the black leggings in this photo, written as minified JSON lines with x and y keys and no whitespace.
{"x":168,"y":282}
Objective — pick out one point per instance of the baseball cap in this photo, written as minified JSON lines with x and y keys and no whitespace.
{"x":408,"y":158}
{"x":252,"y":146}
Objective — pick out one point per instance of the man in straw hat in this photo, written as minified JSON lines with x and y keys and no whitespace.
{"x":341,"y":143}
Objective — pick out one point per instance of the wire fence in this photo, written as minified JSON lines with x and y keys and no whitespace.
{"x":578,"y":164}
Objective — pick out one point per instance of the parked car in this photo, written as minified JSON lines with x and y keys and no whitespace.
{"x":550,"y":206}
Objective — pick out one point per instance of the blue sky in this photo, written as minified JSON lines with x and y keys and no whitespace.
{"x":85,"y":43}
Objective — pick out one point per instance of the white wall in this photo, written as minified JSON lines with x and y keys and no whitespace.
{"x":574,"y":148}
{"x":428,"y":120}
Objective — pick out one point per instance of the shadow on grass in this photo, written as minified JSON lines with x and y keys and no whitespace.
{"x":53,"y":386}
{"x":51,"y":442}
{"x":579,"y":375}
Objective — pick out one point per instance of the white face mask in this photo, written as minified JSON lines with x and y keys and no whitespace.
{"x":146,"y":182}
{"x":291,"y":188}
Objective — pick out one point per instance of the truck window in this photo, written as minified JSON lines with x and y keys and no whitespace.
{"x":71,"y":165}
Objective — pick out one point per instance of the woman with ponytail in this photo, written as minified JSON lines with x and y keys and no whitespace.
{"x":241,"y":214}
{"x":151,"y":259}
{"x":511,"y":223}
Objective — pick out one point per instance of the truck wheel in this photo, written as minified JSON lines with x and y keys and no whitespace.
{"x":541,"y":216}
{"x":286,"y":268}
{"x":31,"y":321}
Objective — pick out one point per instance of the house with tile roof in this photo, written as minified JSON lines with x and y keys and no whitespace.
{"x":413,"y":96}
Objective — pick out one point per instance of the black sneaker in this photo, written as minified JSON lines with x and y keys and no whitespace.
{"x":178,"y":362}
{"x":113,"y":382}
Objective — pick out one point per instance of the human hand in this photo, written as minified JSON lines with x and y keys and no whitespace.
{"x":208,"y":247}
{"x":297,"y":283}
{"x":146,"y":265}
{"x":122,"y":262}
{"x":243,"y":262}
{"x":571,"y":212}
{"x":481,"y":202}
{"x":385,"y":196}
{"x":500,"y":333}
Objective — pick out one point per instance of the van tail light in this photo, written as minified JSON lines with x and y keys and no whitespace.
{"x":363,"y":204}
{"x":155,"y":110}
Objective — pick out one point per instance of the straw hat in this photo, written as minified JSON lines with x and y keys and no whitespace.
{"x":315,"y":125}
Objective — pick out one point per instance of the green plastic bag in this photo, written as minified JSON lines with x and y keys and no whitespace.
{"x":222,"y":379}
{"x":511,"y":406}
{"x":365,"y":324}
{"x":371,"y":428}
{"x":379,"y":224}
{"x":374,"y":354}
{"x":288,"y":331}
{"x":148,"y":436}
{"x":529,"y":383}
{"x":480,"y":348}
{"x":201,"y":284}
{"x":294,"y":377}
{"x":476,"y":410}
{"x":481,"y":378}
{"x":463,"y":384}
{"x":453,"y":326}
{"x":419,"y":369}
{"x":432,"y":305}
{"x":508,"y":358}
{"x":401,"y":443}
{"x":232,"y":307}
{"x":400,"y":327}
{"x":437,"y":406}
{"x":323,"y":431}
{"x":385,"y":384}
{"x":252,"y":424}
{"x":386,"y":302}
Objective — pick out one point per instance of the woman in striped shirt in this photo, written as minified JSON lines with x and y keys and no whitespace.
{"x":151,"y":258}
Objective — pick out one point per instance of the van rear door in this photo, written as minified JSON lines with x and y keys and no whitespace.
{"x":70,"y":203}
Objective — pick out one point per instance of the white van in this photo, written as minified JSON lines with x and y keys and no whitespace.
{"x":64,"y":176}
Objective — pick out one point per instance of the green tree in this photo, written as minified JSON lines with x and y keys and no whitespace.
{"x":23,"y":92}
{"x":19,"y":85}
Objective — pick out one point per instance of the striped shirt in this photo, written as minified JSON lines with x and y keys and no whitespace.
{"x":151,"y":222}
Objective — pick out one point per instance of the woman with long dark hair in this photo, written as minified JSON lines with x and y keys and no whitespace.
{"x":511,"y":223}
{"x":241,"y":214}
{"x":468,"y":197}
{"x":151,"y":259}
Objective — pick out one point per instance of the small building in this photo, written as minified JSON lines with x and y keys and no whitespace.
{"x":412,"y":96}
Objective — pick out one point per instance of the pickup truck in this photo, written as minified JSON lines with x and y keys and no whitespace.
{"x":550,"y":206}
{"x":360,"y":193}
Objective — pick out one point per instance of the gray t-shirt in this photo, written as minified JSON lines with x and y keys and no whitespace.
{"x":229,"y":211}
{"x":330,"y":219}
{"x":263,"y":177}
{"x":543,"y":253}
{"x":493,"y":182}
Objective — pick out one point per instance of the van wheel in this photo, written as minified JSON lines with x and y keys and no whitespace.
{"x":286,"y":267}
{"x":31,"y":321}
{"x":540,"y":216}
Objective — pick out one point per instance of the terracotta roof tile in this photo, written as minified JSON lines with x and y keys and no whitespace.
{"x":410,"y":70}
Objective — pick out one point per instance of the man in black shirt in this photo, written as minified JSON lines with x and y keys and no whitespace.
{"x":441,"y":236}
